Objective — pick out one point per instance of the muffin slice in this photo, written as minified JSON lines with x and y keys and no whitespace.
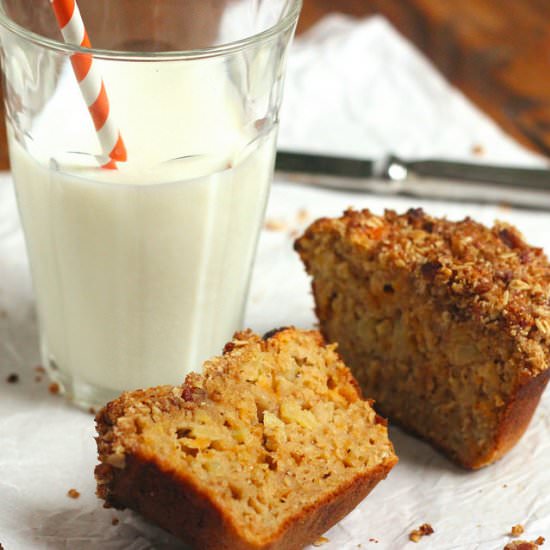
{"x":446,"y":324}
{"x":267,"y":449}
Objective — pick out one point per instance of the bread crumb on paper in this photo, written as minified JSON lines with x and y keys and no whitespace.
{"x":423,"y":531}
{"x":73,"y":493}
{"x":302,"y":216}
{"x":320,"y":541}
{"x":115,"y":521}
{"x":12,"y":378}
{"x":53,"y":388}
{"x":40,"y":371}
{"x":478,"y":150}
{"x":525,"y":544}
{"x":517,"y":530}
{"x":275,"y":225}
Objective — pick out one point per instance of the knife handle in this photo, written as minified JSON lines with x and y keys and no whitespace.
{"x":501,"y":176}
{"x":528,"y":188}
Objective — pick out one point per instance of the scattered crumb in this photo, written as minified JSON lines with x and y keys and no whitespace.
{"x":505,"y":486}
{"x":73,"y":493}
{"x":115,"y":521}
{"x":40,"y":369}
{"x":38,"y":378}
{"x":504,"y":207}
{"x":53,"y":388}
{"x":525,"y":544}
{"x":517,"y":530}
{"x":376,"y":541}
{"x":302,"y":216}
{"x":478,"y":150}
{"x":423,"y":531}
{"x":275,"y":225}
{"x":91,"y":410}
{"x":320,"y":541}
{"x":520,"y":545}
{"x":12,"y":378}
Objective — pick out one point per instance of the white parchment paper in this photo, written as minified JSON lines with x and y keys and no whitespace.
{"x":352,"y":88}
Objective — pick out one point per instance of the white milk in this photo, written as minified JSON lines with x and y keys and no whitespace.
{"x":142,"y":273}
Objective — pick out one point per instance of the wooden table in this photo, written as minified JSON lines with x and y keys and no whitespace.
{"x":496,"y":51}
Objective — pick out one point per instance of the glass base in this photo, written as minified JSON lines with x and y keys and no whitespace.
{"x":83,"y":394}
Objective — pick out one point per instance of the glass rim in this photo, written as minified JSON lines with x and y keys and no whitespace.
{"x":211,"y":51}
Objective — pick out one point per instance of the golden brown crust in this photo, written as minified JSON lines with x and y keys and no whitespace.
{"x":139,"y":477}
{"x":516,"y":417}
{"x":178,"y":506}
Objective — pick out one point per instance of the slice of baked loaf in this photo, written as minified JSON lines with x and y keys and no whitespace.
{"x":446,"y":324}
{"x":267,"y":449}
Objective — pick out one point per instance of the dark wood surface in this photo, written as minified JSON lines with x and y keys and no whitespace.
{"x":496,"y":51}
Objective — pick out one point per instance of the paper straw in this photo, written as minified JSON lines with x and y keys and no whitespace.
{"x":90,"y":81}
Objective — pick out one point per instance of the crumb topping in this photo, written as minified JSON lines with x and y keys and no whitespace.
{"x":488,"y":274}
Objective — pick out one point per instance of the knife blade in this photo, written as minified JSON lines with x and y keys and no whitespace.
{"x":441,"y":179}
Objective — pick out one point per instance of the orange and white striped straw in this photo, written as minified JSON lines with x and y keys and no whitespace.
{"x":90,"y":81}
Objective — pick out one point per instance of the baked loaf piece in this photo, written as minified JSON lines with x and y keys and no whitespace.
{"x":267,"y":449}
{"x":445,"y":324}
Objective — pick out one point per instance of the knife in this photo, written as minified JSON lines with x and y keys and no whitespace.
{"x":440,"y":179}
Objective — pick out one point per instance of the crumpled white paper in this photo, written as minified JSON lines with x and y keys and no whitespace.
{"x":352,"y":88}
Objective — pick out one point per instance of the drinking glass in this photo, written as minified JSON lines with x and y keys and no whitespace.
{"x":141,"y":268}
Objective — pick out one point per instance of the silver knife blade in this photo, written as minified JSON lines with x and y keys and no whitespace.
{"x":442,"y":179}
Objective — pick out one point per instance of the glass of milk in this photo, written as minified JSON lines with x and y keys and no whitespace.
{"x":142,"y":272}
